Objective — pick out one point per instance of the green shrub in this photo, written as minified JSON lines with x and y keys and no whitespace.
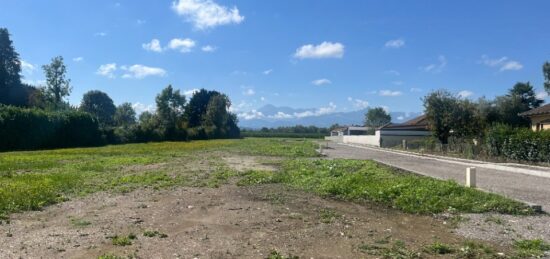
{"x":519,"y":144}
{"x":22,"y":128}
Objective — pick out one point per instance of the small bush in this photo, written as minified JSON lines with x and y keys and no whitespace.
{"x":440,"y":248}
{"x":123,"y":240}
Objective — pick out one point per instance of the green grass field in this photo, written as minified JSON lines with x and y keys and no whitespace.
{"x":32,"y":180}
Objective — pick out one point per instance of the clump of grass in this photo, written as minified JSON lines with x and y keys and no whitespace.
{"x":80,"y":222}
{"x":495,"y":219}
{"x":531,"y":248}
{"x":123,"y":240}
{"x":276,"y":255}
{"x":440,"y":248}
{"x":155,"y":233}
{"x":473,"y":249}
{"x":253,"y":177}
{"x":110,"y":256}
{"x":277,"y":147}
{"x":328,"y":215}
{"x":368,"y":180}
{"x":395,"y":250}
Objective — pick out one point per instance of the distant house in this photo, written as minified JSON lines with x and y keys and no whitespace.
{"x":393,"y":134}
{"x":349,"y":131}
{"x":540,"y":117}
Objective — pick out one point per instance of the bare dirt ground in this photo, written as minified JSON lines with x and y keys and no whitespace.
{"x":225,"y":222}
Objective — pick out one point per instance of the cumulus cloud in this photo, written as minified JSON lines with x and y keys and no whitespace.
{"x":140,"y":107}
{"x":358,"y":103}
{"x":395,"y":44}
{"x":322,"y":81}
{"x":465,"y":94}
{"x":107,"y":70}
{"x":140,"y":71}
{"x":154,"y":46}
{"x":389,"y":93}
{"x":323,"y":50}
{"x":542,"y":95}
{"x":27,"y":67}
{"x":249,"y":92}
{"x":251,"y":115}
{"x":416,"y":90}
{"x":100,"y":34}
{"x":204,"y":14}
{"x":78,"y":59}
{"x":267,"y":72}
{"x":183,"y":45}
{"x":208,"y":48}
{"x":436,"y":67}
{"x":254,"y":114}
{"x":503,"y":63}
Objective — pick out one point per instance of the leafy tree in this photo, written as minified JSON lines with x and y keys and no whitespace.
{"x":527,"y":95}
{"x":446,"y":114}
{"x":125,"y":115}
{"x":197,"y":106}
{"x":11,"y":90}
{"x":520,"y":98}
{"x":100,"y":105}
{"x":57,"y":85}
{"x":546,"y":72}
{"x":170,"y":109}
{"x":377,"y":117}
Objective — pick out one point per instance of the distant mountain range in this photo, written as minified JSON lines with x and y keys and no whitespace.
{"x":272,"y":116}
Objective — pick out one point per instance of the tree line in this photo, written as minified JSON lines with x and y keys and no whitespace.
{"x":206,"y":114}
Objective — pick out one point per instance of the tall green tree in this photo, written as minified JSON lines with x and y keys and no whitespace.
{"x":447,"y":115}
{"x":125,"y":115}
{"x":377,"y":117}
{"x":196,"y":109}
{"x":57,"y":84}
{"x":11,"y":91}
{"x":546,"y":72}
{"x":527,"y":95}
{"x":170,"y":110}
{"x":520,"y":98}
{"x":100,"y":105}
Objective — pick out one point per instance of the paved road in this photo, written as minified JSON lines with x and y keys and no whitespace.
{"x":522,"y":187}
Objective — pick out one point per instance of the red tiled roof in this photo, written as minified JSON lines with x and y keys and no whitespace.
{"x":545,"y":109}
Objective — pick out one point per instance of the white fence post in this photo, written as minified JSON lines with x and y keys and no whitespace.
{"x":471,"y":177}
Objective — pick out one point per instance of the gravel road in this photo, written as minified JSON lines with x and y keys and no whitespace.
{"x":518,"y":186}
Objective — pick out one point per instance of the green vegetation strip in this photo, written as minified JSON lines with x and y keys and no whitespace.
{"x":367,"y":180}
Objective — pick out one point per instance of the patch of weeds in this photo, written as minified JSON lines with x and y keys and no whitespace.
{"x":440,"y":248}
{"x":456,"y":219}
{"x":367,"y":180}
{"x":155,"y":233}
{"x":253,"y":177}
{"x":276,"y":255}
{"x":275,"y":198}
{"x":531,"y":248}
{"x":328,"y":215}
{"x":123,"y":240}
{"x":80,"y":222}
{"x":396,"y":250}
{"x":494,"y":219}
{"x":219,"y":177}
{"x":472,"y":249}
{"x":110,"y":256}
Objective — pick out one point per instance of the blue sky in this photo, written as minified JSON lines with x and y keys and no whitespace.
{"x":328,"y":55}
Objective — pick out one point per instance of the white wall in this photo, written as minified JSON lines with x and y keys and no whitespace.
{"x":372,"y":140}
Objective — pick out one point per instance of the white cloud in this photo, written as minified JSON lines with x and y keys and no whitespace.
{"x":416,"y":90}
{"x":208,"y":48}
{"x":78,"y":59}
{"x":251,"y":115}
{"x":27,"y":67}
{"x":140,"y":107}
{"x":395,"y":44}
{"x":465,"y":94}
{"x":154,"y":46}
{"x":322,"y":81}
{"x":140,"y":71}
{"x":206,"y":14}
{"x":249,"y":92}
{"x":323,"y":50}
{"x":107,"y":70}
{"x":282,"y":115}
{"x":331,"y":108}
{"x":358,"y":103}
{"x":262,"y":99}
{"x":267,"y":72}
{"x":254,"y":114}
{"x":189,"y":93}
{"x":183,"y":45}
{"x":392,"y":72}
{"x":33,"y":82}
{"x":503,"y":63}
{"x":100,"y":34}
{"x":542,"y":95}
{"x":437,"y":67}
{"x":389,"y":93}
{"x":400,"y":118}
{"x":140,"y":22}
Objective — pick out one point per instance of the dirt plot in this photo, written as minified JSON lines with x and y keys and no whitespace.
{"x":225,"y":222}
